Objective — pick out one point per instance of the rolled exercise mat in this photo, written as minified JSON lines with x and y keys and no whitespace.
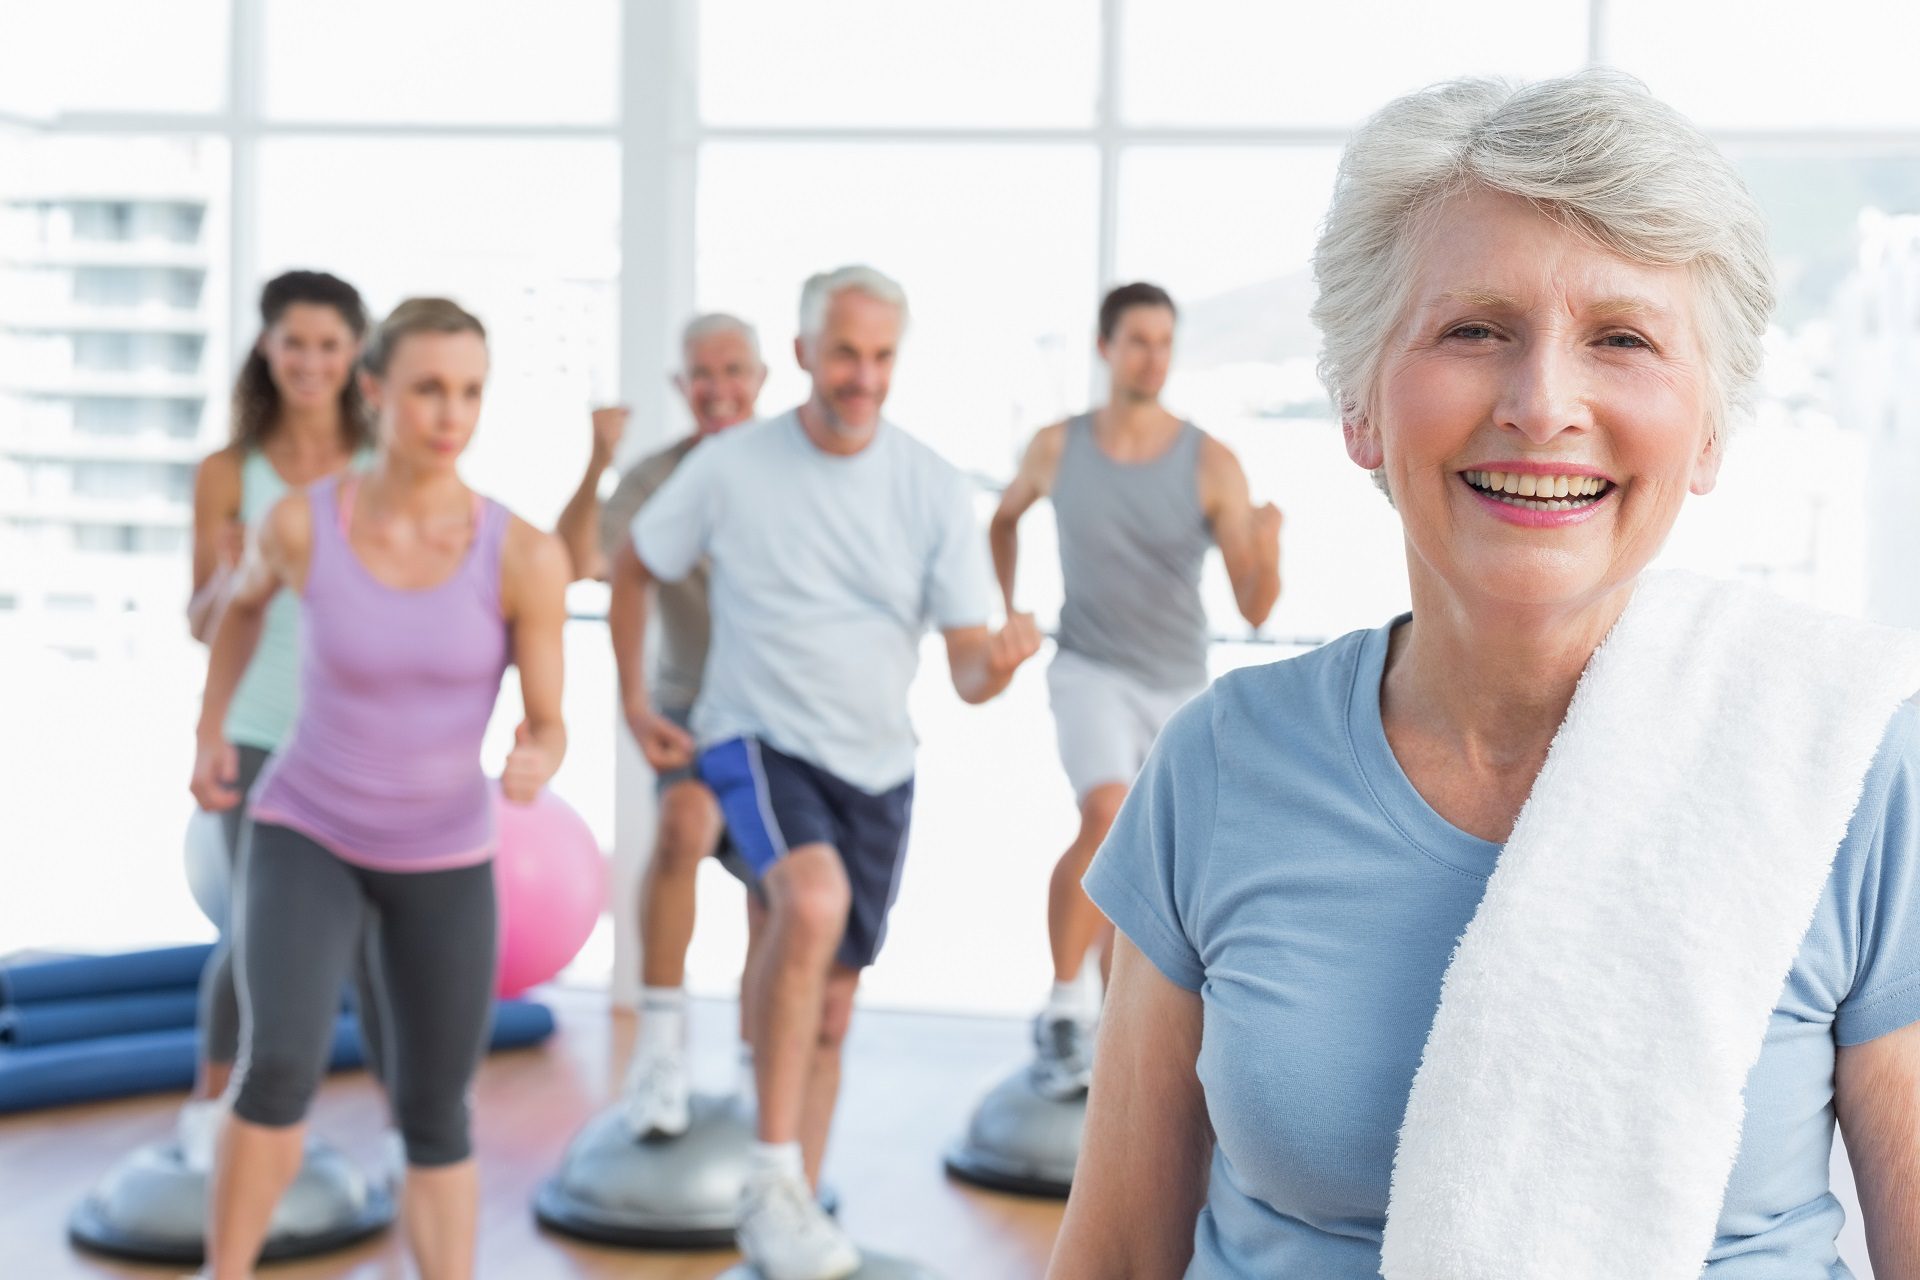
{"x":76,"y":977}
{"x":91,"y":1017}
{"x":153,"y":1061}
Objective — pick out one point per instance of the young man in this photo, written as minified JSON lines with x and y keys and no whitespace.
{"x":834,"y":540}
{"x":720,"y":377}
{"x":1139,"y":495}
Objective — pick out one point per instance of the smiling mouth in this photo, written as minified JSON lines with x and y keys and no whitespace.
{"x":1539,"y":493}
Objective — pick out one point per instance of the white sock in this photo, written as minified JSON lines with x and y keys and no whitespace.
{"x":663,"y":1020}
{"x":781,"y":1158}
{"x":1072,"y":999}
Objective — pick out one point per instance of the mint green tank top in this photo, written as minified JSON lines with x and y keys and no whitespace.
{"x":263,"y":706}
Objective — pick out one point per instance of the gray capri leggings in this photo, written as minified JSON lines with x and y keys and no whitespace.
{"x":305,"y":910}
{"x":220,"y":1003}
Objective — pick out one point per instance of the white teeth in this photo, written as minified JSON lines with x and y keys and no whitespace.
{"x":1535,"y":486}
{"x":1537,"y":493}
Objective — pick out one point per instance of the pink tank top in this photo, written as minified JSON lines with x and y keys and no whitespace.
{"x":382,"y":766}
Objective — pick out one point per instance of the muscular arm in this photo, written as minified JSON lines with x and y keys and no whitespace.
{"x":627,"y":625}
{"x":1877,"y":1098}
{"x":579,"y":525}
{"x":218,"y":539}
{"x":578,"y":529}
{"x":533,"y":588}
{"x":1031,"y":483}
{"x":1248,"y":536}
{"x":1142,"y":1174}
{"x":665,"y":744}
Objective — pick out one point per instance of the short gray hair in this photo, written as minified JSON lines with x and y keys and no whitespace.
{"x":717,"y":322}
{"x":1594,"y":150}
{"x":820,"y":291}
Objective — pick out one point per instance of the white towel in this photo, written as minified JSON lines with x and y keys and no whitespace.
{"x":1578,"y":1107}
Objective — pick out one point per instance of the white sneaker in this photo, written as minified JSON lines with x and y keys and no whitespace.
{"x":1063,"y":1057}
{"x":787,"y":1235}
{"x":197,"y":1130}
{"x":657,"y":1097}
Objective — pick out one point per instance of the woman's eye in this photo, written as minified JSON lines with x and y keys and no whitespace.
{"x":1625,"y":340}
{"x":1471,"y":331}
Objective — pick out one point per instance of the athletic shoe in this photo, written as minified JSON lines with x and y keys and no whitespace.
{"x":787,"y":1235}
{"x":657,"y":1098}
{"x":1063,"y":1058}
{"x":197,"y":1130}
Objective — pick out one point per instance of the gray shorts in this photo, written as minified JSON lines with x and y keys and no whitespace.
{"x":1106,"y":719}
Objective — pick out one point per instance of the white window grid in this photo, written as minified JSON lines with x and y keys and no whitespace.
{"x":660,"y":136}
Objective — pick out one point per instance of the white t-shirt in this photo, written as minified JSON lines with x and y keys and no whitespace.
{"x":826,"y":571}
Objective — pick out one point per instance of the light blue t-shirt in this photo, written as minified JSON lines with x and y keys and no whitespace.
{"x":826,"y":571}
{"x":1274,"y":858}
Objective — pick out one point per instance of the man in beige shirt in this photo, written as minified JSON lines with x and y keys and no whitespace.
{"x":720,"y":378}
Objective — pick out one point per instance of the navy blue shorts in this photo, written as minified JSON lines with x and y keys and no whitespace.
{"x":724,"y":853}
{"x":774,"y":802}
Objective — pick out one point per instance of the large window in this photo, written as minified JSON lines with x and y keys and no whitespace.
{"x":988,"y":239}
{"x":1253,"y":63}
{"x":501,"y":62}
{"x":143,"y":199}
{"x":990,"y":63}
{"x":585,"y":175}
{"x":421,"y":215}
{"x":114,"y":56}
{"x":1741,"y":65}
{"x":1230,"y":232}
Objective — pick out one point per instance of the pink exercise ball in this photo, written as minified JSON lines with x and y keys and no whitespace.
{"x":552,"y":885}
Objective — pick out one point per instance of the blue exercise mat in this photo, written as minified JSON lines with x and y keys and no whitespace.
{"x":91,"y":1017}
{"x":155,"y":1061}
{"x":77,"y":977}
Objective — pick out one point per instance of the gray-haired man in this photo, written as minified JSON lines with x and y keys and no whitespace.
{"x":720,"y":377}
{"x":835,"y":540}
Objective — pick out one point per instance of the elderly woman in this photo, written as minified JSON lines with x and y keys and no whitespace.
{"x":1464,"y":937}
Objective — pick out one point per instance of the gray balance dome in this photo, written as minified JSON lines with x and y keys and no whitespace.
{"x":1020,"y":1140}
{"x":152,"y":1208}
{"x":673,"y":1193}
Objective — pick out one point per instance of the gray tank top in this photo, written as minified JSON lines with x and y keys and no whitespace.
{"x":1132,"y":540}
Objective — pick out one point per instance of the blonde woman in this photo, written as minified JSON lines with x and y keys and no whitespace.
{"x":415,"y":593}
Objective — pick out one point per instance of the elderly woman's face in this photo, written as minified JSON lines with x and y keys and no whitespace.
{"x":1542,"y":410}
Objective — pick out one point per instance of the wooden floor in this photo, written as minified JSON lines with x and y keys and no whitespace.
{"x":910,"y":1081}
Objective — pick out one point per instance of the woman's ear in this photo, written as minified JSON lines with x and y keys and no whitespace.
{"x":1363,"y":442}
{"x":1706,"y":464}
